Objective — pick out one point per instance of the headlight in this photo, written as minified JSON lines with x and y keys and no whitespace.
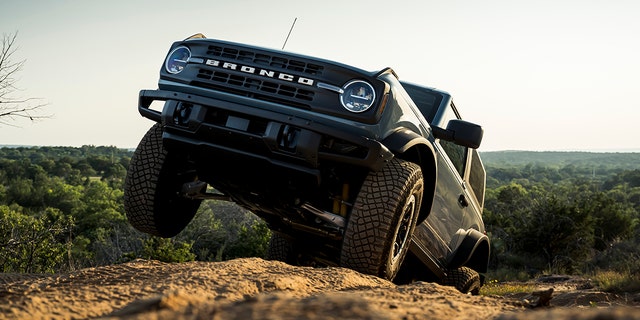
{"x":177,"y":60}
{"x":357,"y":96}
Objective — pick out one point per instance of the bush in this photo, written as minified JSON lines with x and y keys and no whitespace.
{"x":223,"y":230}
{"x":252,"y":242}
{"x":612,"y":281}
{"x":167,"y":250}
{"x":621,"y":257}
{"x":32,"y":243}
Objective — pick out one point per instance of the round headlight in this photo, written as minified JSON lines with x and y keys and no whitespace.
{"x":177,"y":60}
{"x":357,"y":96}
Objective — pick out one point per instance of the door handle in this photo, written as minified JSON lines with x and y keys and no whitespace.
{"x":462,"y":200}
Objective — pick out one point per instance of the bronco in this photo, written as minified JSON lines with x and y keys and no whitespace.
{"x":347,"y":167}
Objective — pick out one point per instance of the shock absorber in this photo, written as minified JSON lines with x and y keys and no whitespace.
{"x":345,"y":197}
{"x":340,"y":202}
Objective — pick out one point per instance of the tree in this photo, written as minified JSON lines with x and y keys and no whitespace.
{"x":13,"y":107}
{"x":167,"y":250}
{"x":32,"y":243}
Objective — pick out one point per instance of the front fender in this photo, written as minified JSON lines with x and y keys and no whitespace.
{"x":472,"y":252}
{"x":411,"y":146}
{"x":404,"y":139}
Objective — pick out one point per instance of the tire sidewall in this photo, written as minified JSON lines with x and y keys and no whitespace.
{"x":280,"y":248}
{"x":374,"y":222}
{"x":151,"y":188}
{"x":465,"y":279}
{"x":395,"y":260}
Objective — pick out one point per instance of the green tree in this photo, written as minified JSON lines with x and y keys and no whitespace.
{"x":32,"y":243}
{"x":614,"y":219}
{"x":559,"y":231}
{"x":59,"y":194}
{"x":208,"y":234}
{"x":101,"y":207}
{"x":167,"y":250}
{"x":252,"y":241}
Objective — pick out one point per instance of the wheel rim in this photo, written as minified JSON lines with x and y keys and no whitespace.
{"x":404,"y":228}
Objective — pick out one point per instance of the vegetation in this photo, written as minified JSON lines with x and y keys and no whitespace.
{"x":495,"y":287}
{"x":613,"y":281}
{"x":575,"y":213}
{"x":578,"y":213}
{"x":563,"y":212}
{"x":61,"y":208}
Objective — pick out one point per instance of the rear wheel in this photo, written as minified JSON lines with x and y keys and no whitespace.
{"x":384,"y":215}
{"x":294,"y":251}
{"x":280,"y":248}
{"x":465,"y":279}
{"x":152,"y":199}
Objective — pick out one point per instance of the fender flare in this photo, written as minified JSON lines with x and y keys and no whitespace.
{"x":472,"y":252}
{"x":411,"y":146}
{"x":403,"y":139}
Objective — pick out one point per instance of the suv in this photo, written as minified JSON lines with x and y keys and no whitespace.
{"x":347,"y":167}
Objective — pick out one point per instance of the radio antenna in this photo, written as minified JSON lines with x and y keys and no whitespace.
{"x":287,"y":39}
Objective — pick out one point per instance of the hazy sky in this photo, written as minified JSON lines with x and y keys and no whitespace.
{"x":537,"y":75}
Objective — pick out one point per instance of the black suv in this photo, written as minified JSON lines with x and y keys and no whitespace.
{"x":347,"y":167}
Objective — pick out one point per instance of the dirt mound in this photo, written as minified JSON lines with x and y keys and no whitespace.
{"x":249,"y":288}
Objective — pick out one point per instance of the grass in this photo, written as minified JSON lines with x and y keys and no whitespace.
{"x":505,"y":282}
{"x":612,"y":281}
{"x":495,"y":287}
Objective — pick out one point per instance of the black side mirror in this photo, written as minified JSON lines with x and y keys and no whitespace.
{"x":461,"y":132}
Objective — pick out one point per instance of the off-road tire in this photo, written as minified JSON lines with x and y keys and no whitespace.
{"x":384,"y":215}
{"x":280,"y":248}
{"x":293,"y":251}
{"x":154,"y":178}
{"x":465,"y":279}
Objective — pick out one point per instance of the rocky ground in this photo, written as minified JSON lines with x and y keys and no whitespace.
{"x":253,"y":288}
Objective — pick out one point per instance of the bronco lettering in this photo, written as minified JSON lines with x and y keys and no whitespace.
{"x":260,"y":72}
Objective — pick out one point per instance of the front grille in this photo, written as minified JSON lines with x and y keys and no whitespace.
{"x":245,"y":85}
{"x":267,"y":88}
{"x":261,"y":59}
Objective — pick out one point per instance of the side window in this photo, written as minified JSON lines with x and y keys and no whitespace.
{"x":457,"y":154}
{"x":477,"y":177}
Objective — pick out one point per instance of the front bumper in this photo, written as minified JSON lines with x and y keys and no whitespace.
{"x":243,"y":131}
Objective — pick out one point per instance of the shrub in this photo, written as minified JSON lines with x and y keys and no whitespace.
{"x":30,"y":243}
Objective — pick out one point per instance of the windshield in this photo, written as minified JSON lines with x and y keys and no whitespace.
{"x":426,"y":100}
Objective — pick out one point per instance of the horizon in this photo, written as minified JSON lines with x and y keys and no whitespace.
{"x":632,"y":150}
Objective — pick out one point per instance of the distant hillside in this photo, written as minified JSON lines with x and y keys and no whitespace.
{"x":36,"y":153}
{"x":611,"y":160}
{"x":627,"y":161}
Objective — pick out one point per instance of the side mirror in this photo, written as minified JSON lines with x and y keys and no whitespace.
{"x":461,"y":132}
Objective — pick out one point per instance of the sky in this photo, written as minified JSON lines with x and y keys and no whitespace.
{"x":544,"y":75}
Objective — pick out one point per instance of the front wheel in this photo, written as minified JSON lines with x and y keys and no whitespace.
{"x":384,"y":215}
{"x":151,"y":191}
